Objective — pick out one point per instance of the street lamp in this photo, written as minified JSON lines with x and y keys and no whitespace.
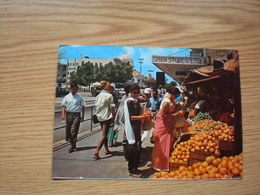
{"x":141,"y":62}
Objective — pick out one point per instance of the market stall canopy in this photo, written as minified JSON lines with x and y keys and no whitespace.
{"x":206,"y":73}
{"x":199,"y":75}
{"x":177,"y":67}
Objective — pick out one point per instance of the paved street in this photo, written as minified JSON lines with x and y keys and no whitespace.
{"x":80,"y":164}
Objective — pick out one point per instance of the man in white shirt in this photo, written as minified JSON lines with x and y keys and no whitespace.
{"x":72,"y":105}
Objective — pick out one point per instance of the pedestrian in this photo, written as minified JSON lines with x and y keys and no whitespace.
{"x":112,"y":134}
{"x":155,"y":102}
{"x":120,"y":119}
{"x":163,"y":131}
{"x":133,"y":117}
{"x":72,"y":105}
{"x":105,"y":113}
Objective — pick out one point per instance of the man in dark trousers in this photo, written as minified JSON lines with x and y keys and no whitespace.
{"x":72,"y":105}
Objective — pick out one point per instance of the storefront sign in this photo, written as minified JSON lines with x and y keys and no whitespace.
{"x":178,"y":60}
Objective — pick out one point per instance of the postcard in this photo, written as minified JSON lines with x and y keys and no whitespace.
{"x":126,"y":112}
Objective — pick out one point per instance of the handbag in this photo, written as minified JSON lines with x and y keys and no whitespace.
{"x":178,"y":122}
{"x":95,"y":119}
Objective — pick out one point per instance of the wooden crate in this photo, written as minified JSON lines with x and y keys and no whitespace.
{"x":226,"y":148}
{"x":201,"y":155}
{"x":194,"y":161}
{"x":226,"y":145}
{"x":175,"y":166}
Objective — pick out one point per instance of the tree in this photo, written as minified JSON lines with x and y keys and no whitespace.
{"x":116,"y":73}
{"x":84,"y":75}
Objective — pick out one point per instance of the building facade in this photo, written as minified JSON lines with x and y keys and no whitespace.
{"x":73,"y":64}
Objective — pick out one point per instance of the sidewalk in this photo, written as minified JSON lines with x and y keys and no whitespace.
{"x":80,"y":164}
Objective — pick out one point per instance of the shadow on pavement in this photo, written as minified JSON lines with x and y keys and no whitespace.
{"x":147,"y":173}
{"x":117,"y":153}
{"x":85,"y":148}
{"x":145,"y":162}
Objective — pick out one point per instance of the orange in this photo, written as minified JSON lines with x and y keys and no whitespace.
{"x":224,"y":162}
{"x":190,"y":175}
{"x":235,"y":171}
{"x":204,"y":164}
{"x":212,"y":172}
{"x":182,"y":168}
{"x":225,"y":176}
{"x":209,"y":160}
{"x":157,"y":175}
{"x":225,"y":158}
{"x":205,"y":176}
{"x":223,"y":171}
{"x":190,"y":168}
{"x":196,"y":172}
{"x":172,"y":174}
{"x":209,"y":168}
{"x":203,"y":171}
{"x":198,"y":163}
{"x":195,"y":166}
{"x":212,"y":150}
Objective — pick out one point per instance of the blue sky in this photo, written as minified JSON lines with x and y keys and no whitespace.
{"x":74,"y":52}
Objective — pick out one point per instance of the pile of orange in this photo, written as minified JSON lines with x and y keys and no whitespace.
{"x":204,"y":142}
{"x":223,"y":132}
{"x":201,"y":142}
{"x":226,"y":167}
{"x":181,"y":153}
{"x":216,"y":129}
{"x":202,"y":126}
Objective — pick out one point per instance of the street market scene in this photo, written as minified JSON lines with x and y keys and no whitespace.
{"x":147,"y":113}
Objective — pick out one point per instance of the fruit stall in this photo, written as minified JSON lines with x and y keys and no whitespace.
{"x":212,"y":148}
{"x":207,"y":151}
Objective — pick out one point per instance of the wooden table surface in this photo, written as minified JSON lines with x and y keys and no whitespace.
{"x":30,"y":33}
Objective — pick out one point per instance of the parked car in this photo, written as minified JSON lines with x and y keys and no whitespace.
{"x":61,"y":91}
{"x":95,"y":91}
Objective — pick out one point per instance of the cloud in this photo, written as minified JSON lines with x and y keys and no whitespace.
{"x":129,"y":50}
{"x":147,"y":52}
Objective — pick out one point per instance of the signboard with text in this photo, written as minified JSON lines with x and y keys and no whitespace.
{"x":178,"y":60}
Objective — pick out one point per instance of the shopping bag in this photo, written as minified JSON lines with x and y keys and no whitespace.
{"x":95,"y":119}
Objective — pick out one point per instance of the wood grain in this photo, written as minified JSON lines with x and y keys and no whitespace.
{"x":30,"y":33}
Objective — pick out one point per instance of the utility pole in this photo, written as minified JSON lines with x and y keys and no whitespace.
{"x":141,"y":62}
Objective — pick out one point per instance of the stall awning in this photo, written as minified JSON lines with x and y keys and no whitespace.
{"x":205,"y":74}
